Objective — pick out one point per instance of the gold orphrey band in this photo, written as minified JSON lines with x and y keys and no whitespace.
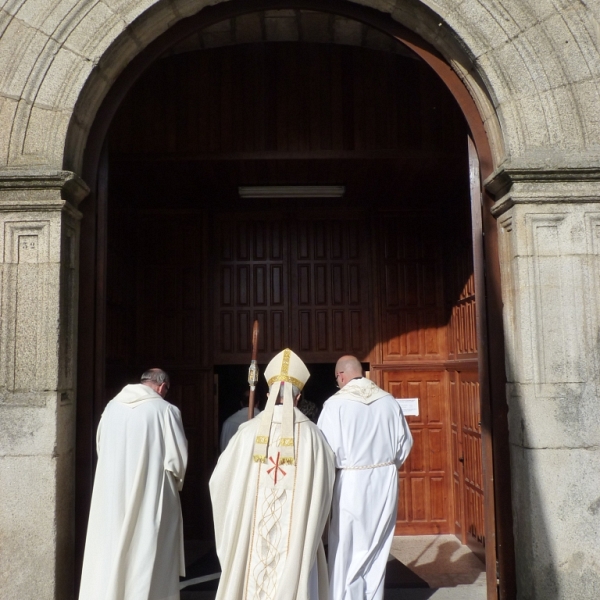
{"x":283,"y":376}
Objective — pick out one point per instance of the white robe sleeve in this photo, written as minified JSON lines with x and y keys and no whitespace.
{"x":330,"y":426}
{"x":176,"y":451}
{"x":405,"y":441}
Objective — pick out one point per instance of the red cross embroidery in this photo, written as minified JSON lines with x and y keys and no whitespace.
{"x":276,"y":467}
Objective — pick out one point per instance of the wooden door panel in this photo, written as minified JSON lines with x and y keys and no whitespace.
{"x":425,"y":501}
{"x":252,"y":283}
{"x":413,"y":321}
{"x":305,"y":279}
{"x":457,"y":456}
{"x":473,"y":467}
{"x":329,"y":287}
{"x":172,"y":332}
{"x":462,"y":332}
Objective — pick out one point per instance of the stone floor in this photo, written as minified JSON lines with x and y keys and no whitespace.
{"x":452,"y":571}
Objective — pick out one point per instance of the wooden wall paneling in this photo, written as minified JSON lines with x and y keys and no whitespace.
{"x":413,"y":320}
{"x":378,"y":310}
{"x":171,"y":332}
{"x":252,"y":279}
{"x":460,"y":292}
{"x":171,"y":298}
{"x":425,"y":505}
{"x":284,"y":97}
{"x":330,"y":296}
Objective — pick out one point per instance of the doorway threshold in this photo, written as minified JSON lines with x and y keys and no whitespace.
{"x":452,"y":570}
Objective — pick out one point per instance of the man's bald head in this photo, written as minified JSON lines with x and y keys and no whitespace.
{"x":347,"y":368}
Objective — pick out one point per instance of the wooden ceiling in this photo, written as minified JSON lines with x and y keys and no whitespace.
{"x":198,"y":125}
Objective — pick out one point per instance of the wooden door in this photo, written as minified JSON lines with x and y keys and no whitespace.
{"x":252,"y":282}
{"x":304,"y":277}
{"x":425,"y":500}
{"x":469,"y":467}
{"x":411,"y":289}
{"x":330,"y":287}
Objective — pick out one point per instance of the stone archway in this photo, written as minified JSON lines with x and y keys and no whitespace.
{"x":530,"y":72}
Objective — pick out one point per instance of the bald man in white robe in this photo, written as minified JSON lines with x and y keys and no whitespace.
{"x":370,"y":438}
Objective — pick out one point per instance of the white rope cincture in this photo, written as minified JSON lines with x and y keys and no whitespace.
{"x":361,"y":468}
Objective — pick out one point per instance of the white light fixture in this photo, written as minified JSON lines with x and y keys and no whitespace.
{"x":291,"y":191}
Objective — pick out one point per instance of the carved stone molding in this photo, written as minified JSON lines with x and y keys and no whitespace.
{"x":15,"y":181}
{"x":512,"y":186}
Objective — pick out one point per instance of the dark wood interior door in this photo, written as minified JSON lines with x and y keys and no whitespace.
{"x":425,"y":501}
{"x":304,"y":277}
{"x":470,"y":461}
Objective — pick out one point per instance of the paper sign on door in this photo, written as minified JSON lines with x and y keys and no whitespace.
{"x":410,"y":406}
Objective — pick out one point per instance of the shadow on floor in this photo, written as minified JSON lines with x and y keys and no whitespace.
{"x":205,"y":563}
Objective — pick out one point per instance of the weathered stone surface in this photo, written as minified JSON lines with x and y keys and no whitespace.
{"x":549,"y":238}
{"x":554,"y":489}
{"x":219,"y":34}
{"x":38,"y":283}
{"x":315,"y":27}
{"x":281,"y":26}
{"x":347,"y":31}
{"x":533,"y":68}
{"x":249,"y":29}
{"x":28,"y":525}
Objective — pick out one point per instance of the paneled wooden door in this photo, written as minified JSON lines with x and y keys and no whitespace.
{"x":467,"y":468}
{"x":304,"y":277}
{"x":425,"y":501}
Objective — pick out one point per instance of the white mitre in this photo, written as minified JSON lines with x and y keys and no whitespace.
{"x":286,"y":367}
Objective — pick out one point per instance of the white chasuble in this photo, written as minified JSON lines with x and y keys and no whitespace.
{"x":134,"y":543}
{"x":366,"y":429}
{"x":269,"y":517}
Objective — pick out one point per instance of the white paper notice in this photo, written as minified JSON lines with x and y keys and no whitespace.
{"x":410,"y":406}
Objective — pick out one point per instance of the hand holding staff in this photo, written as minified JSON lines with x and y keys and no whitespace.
{"x":253,"y":371}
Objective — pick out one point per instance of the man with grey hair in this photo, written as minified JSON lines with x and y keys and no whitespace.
{"x":134,"y":544}
{"x":370,"y":438}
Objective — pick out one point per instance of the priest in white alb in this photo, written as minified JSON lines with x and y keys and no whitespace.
{"x":366,"y":430}
{"x":134,"y":543}
{"x":271,"y":494}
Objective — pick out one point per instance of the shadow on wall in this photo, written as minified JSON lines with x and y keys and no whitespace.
{"x":555,"y":524}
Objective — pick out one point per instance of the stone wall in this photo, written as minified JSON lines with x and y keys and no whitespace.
{"x":533,"y":68}
{"x":549,"y":232}
{"x":39,"y":229}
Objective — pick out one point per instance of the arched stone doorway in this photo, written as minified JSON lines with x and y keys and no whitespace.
{"x":383,"y":369}
{"x":530,"y":69}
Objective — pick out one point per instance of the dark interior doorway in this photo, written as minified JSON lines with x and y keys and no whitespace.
{"x":383,"y":271}
{"x":233,"y":382}
{"x":399,"y":150}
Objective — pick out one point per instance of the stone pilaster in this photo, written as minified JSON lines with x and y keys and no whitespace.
{"x":549,"y":243}
{"x":39,"y":246}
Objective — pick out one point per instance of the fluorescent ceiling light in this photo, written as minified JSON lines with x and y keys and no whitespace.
{"x":291,"y":191}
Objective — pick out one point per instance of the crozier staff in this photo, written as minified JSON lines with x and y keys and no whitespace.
{"x":134,"y":544}
{"x":271,"y":492}
{"x":368,"y":433}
